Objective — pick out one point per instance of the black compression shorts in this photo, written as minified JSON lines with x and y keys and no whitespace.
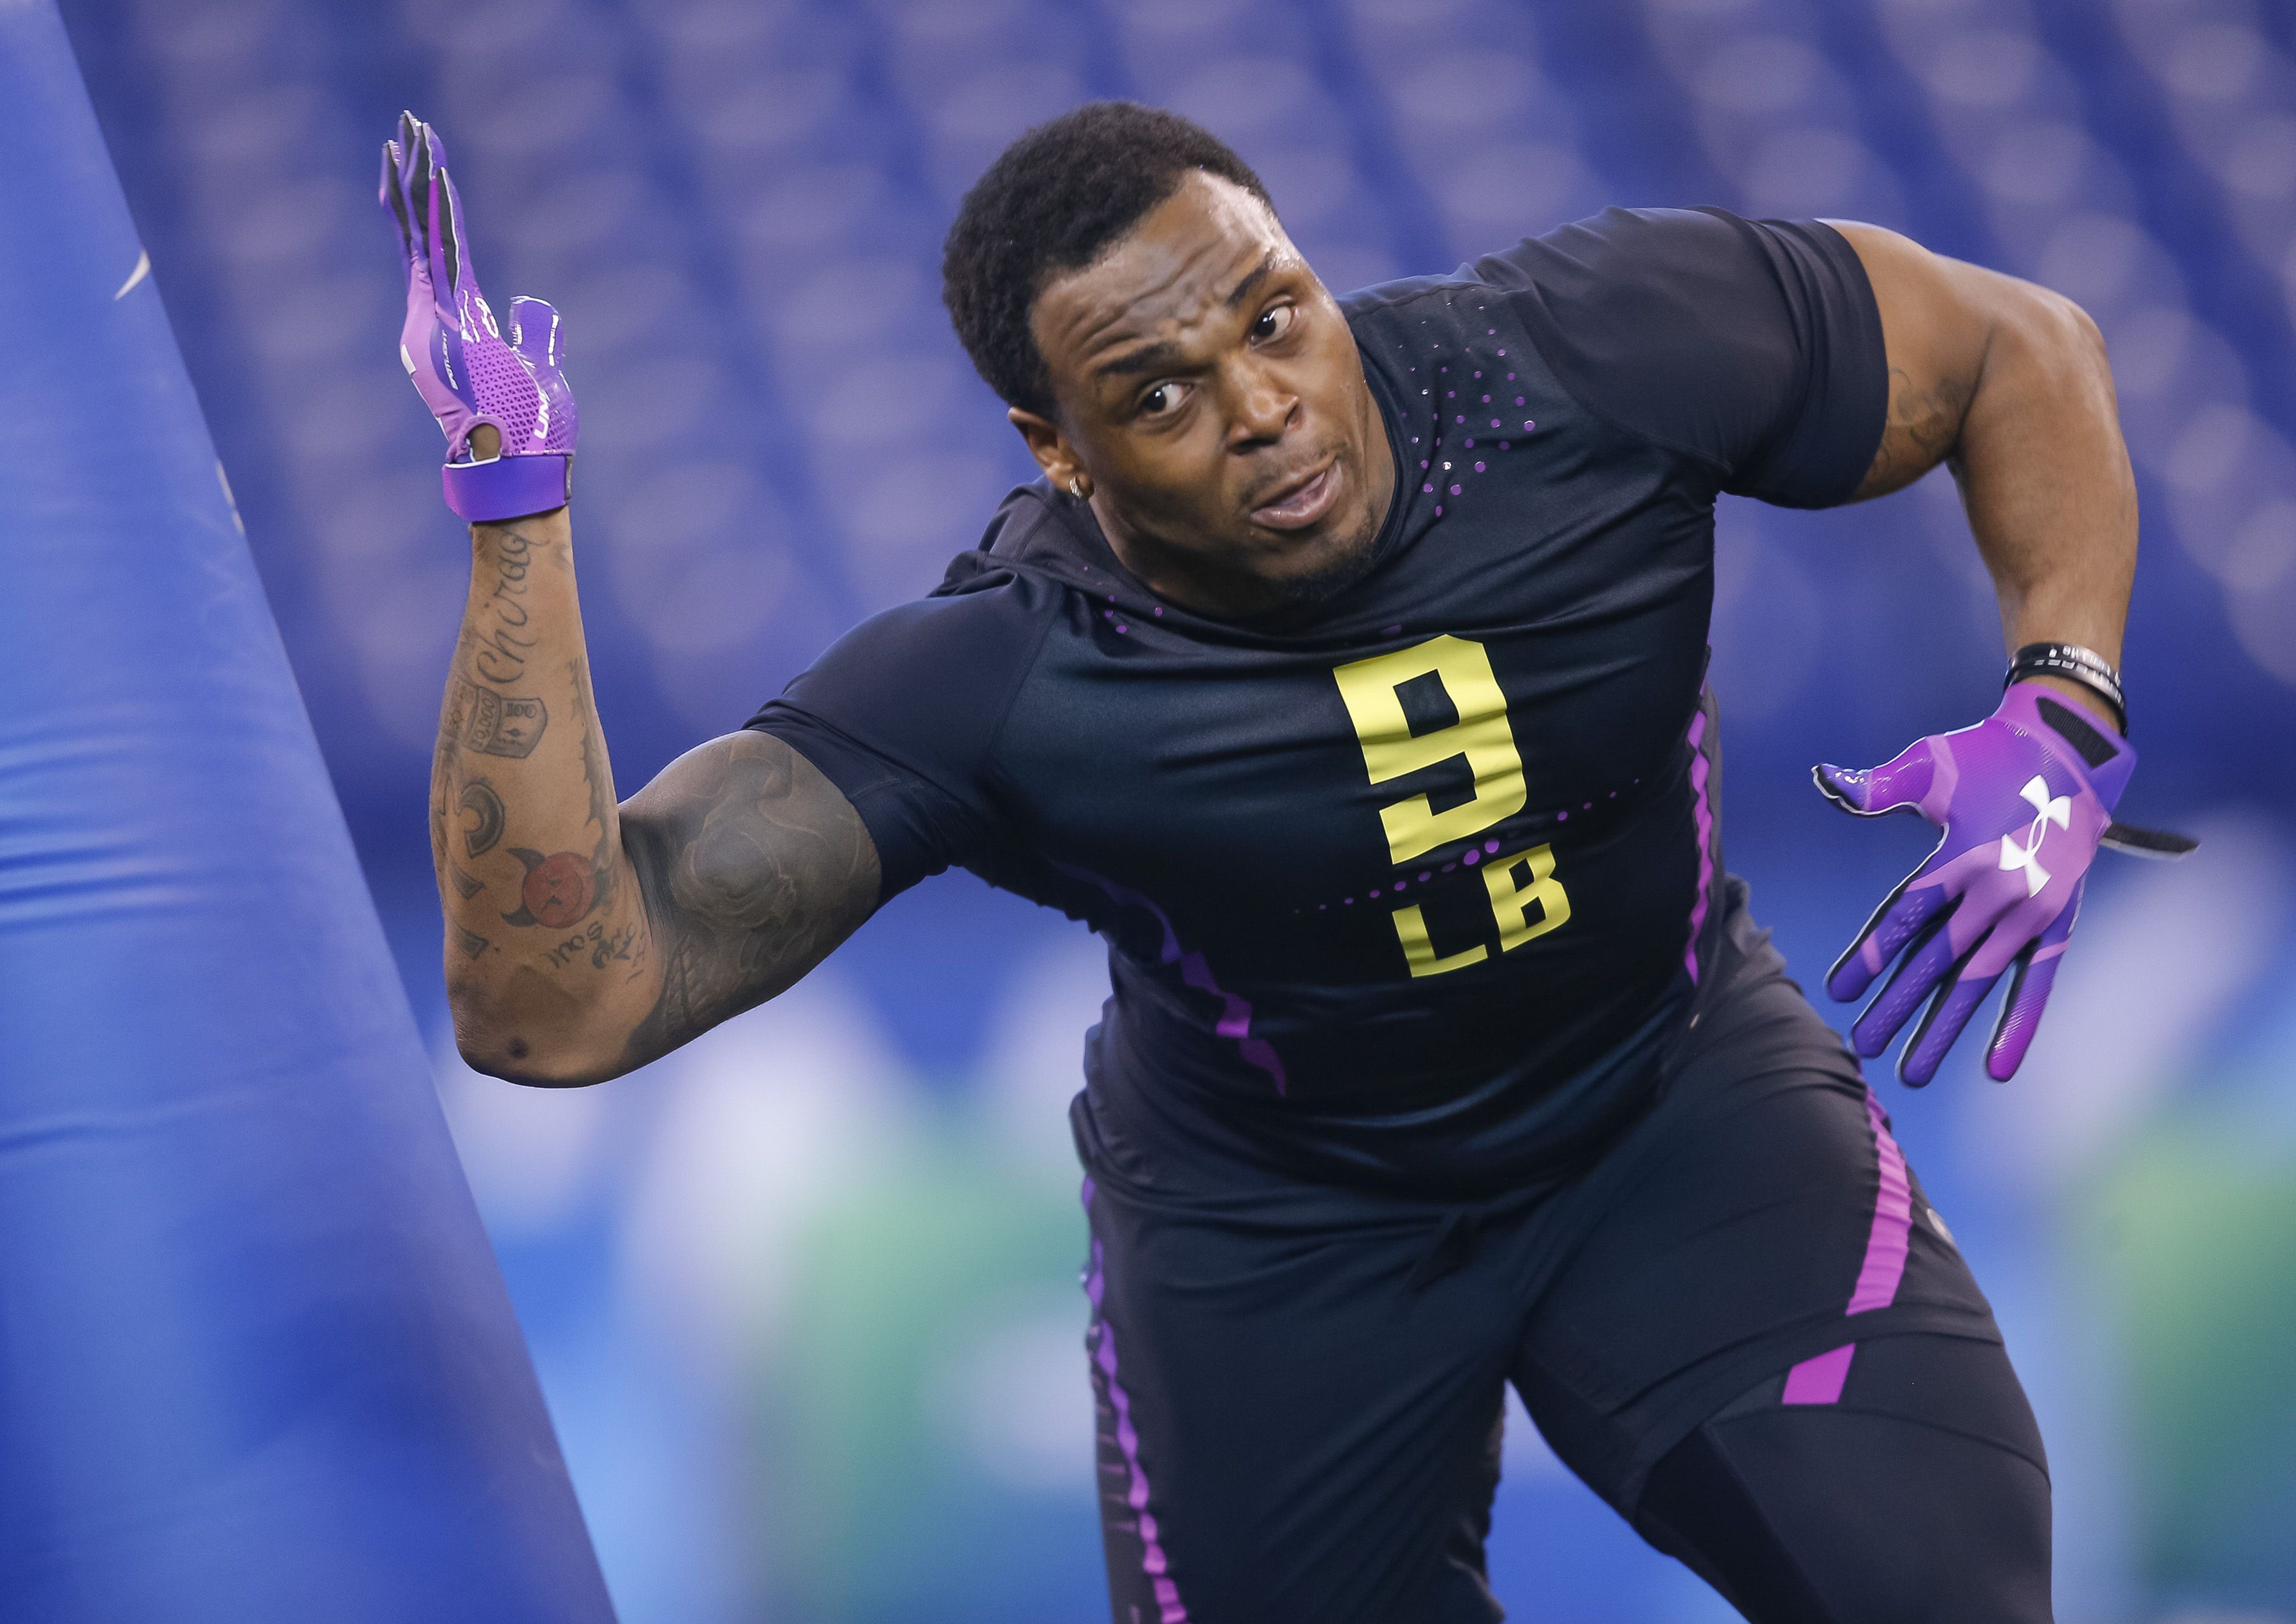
{"x":1301,"y":1386}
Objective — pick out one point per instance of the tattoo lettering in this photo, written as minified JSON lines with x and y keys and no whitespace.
{"x":498,"y":655}
{"x":501,"y":658}
{"x":600,"y":945}
{"x":471,"y":941}
{"x":469,"y":886}
{"x":480,"y":800}
{"x":559,"y":889}
{"x":496,"y":724}
{"x":566,"y":951}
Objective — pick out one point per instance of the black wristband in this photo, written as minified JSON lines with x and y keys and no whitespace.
{"x":2085,"y":667}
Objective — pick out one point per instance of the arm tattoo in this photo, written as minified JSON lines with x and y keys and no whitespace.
{"x":753,"y":867}
{"x":1923,"y":430}
{"x":467,"y":884}
{"x":600,"y":945}
{"x":498,"y":652}
{"x":493,"y":723}
{"x":480,"y":800}
{"x":558,"y":891}
{"x":563,"y":888}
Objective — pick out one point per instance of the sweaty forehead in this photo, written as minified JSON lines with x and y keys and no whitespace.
{"x":1174,"y":270}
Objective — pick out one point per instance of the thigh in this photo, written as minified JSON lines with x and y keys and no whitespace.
{"x":1917,"y":1495}
{"x":1297,"y":1420}
{"x":1760,"y":1216}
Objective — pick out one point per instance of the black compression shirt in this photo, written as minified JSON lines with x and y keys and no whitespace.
{"x":1419,"y":886}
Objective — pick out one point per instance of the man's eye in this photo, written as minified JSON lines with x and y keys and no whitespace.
{"x":1163,"y":400}
{"x":1273,"y":322}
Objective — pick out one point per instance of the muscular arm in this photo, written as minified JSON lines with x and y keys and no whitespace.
{"x":584,"y":939}
{"x":2007,"y":382}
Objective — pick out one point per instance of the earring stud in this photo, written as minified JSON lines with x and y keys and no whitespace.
{"x":1076,"y":487}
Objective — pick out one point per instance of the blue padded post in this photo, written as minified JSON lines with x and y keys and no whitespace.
{"x":257,"y":1363}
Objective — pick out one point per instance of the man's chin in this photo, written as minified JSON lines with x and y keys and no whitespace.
{"x":1341,"y":562}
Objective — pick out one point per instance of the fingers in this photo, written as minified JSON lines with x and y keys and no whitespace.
{"x":1956,"y":985}
{"x":1949,"y":1012}
{"x":1903,"y":781}
{"x":427,"y":200}
{"x":1846,"y":786}
{"x":2028,"y":994}
{"x":406,"y":153}
{"x":436,"y":213}
{"x":1932,"y":958}
{"x":395,"y":199}
{"x":399,"y":155}
{"x":1904,"y":914}
{"x":453,"y":243}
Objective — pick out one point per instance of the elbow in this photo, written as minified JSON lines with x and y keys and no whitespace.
{"x":532,"y":1054}
{"x":2061,"y":335}
{"x":2082,"y":336}
{"x":513,"y":1062}
{"x":2043,"y":355}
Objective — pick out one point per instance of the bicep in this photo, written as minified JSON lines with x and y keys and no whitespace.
{"x":1938,"y":318}
{"x":753,"y":867}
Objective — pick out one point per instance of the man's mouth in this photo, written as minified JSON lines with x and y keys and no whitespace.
{"x":1305,"y":502}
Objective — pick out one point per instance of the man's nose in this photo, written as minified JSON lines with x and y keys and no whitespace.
{"x":1265,"y":405}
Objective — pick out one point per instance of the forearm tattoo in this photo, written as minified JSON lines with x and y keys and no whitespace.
{"x":495,"y":724}
{"x":753,"y":867}
{"x":500,"y":643}
{"x":486,"y":715}
{"x":486,"y":809}
{"x":563,"y":888}
{"x":750,"y":865}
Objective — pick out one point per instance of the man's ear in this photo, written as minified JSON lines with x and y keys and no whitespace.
{"x":1048,"y":445}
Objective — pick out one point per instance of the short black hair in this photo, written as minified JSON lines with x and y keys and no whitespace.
{"x":1052,"y":202}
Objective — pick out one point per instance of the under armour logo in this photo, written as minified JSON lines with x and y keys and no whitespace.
{"x":2047,"y":810}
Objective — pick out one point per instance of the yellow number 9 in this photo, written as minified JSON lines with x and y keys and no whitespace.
{"x":1368,"y":688}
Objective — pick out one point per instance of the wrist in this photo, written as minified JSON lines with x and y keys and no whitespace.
{"x":509,"y":487}
{"x":2092,"y":703}
{"x":2080,"y":672}
{"x":546,"y":529}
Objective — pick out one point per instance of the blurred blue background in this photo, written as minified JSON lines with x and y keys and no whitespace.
{"x":803,"y":1296}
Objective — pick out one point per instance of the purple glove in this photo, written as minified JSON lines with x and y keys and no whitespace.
{"x":2024,"y":797}
{"x":465,"y":371}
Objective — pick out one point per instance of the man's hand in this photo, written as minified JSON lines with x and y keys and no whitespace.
{"x":2024,"y":797}
{"x":583,"y":938}
{"x":472,"y":376}
{"x":2006,"y":384}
